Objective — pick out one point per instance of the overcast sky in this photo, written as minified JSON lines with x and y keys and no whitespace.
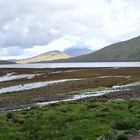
{"x":30,"y":27}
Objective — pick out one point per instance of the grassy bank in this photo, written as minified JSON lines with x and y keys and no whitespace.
{"x":86,"y":120}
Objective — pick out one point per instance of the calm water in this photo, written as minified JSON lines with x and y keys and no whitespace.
{"x":74,"y":65}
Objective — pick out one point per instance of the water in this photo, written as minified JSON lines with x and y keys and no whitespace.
{"x":34,"y":85}
{"x":10,"y":77}
{"x":82,"y":96}
{"x":93,"y":94}
{"x":74,"y":65}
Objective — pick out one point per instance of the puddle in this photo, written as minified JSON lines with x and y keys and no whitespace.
{"x":67,"y":71}
{"x":128,"y":85}
{"x":117,"y":76}
{"x":10,"y":77}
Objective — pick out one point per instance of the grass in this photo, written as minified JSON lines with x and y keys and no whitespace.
{"x":86,"y":120}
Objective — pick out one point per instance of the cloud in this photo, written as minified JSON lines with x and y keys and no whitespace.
{"x":58,"y":44}
{"x":35,"y":26}
{"x":96,"y":43}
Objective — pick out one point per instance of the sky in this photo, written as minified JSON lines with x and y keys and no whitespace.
{"x":31,"y":27}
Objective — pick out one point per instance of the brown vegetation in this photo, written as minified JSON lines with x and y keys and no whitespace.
{"x":92,"y":79}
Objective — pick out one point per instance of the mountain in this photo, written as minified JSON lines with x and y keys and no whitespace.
{"x":74,"y":51}
{"x":6,"y":62}
{"x":123,"y":51}
{"x":48,"y":56}
{"x":11,"y":60}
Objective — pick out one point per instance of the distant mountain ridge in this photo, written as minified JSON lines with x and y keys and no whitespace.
{"x":6,"y":62}
{"x":123,"y":51}
{"x":77,"y":51}
{"x":45,"y":57}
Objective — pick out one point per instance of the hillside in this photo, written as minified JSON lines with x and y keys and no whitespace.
{"x":74,"y":51}
{"x":123,"y":51}
{"x":6,"y":62}
{"x":48,"y":56}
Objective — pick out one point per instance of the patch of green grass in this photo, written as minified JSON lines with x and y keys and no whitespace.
{"x":87,"y":120}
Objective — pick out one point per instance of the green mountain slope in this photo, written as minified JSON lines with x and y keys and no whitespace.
{"x":123,"y":51}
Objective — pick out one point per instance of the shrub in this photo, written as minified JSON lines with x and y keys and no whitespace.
{"x":9,"y":115}
{"x":77,"y":138}
{"x":122,"y":137}
{"x":123,"y":125}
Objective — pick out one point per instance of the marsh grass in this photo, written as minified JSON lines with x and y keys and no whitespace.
{"x":70,"y":121}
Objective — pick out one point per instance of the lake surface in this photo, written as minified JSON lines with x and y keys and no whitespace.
{"x":74,"y":65}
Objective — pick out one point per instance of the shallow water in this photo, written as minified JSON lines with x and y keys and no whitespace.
{"x":10,"y":77}
{"x":74,"y":65}
{"x":34,"y":85}
{"x":81,"y":96}
{"x":93,"y":94}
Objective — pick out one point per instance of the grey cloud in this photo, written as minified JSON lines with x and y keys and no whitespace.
{"x":28,"y":23}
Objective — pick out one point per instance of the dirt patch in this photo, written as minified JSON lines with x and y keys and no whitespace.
{"x":135,"y":136}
